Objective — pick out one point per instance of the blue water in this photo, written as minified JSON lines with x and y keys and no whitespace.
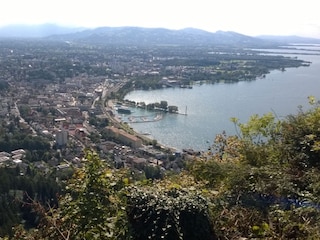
{"x":210,"y":106}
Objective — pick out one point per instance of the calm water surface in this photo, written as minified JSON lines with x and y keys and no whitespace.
{"x":210,"y":106}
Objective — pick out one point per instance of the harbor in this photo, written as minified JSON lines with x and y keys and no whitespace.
{"x":124,"y":112}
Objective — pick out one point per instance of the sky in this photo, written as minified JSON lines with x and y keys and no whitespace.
{"x":249,"y":17}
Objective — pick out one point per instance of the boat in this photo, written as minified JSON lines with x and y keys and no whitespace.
{"x":186,"y":86}
{"x":124,"y":110}
{"x":145,"y":133}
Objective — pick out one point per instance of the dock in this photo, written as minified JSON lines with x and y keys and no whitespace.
{"x":144,"y":119}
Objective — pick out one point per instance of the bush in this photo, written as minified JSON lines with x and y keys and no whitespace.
{"x":156,"y":212}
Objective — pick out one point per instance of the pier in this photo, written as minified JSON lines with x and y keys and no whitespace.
{"x":143,"y":119}
{"x":185,"y":113}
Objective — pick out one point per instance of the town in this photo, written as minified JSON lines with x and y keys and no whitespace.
{"x":58,"y":98}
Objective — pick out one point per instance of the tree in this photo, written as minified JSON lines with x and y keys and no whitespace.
{"x":90,"y":209}
{"x":164,"y":105}
{"x":173,"y":109}
{"x":152,"y":172}
{"x":259,"y":139}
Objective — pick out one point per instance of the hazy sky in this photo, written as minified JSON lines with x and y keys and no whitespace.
{"x":250,"y":17}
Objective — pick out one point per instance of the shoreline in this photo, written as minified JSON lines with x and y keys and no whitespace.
{"x":145,"y":138}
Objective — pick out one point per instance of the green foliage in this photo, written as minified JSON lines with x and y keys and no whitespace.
{"x":163,"y":104}
{"x":3,"y":85}
{"x":92,"y":208}
{"x":98,"y":122}
{"x":13,"y":138}
{"x":259,"y":129}
{"x":259,"y":139}
{"x":266,"y":178}
{"x":153,"y":172}
{"x":301,"y":138}
{"x":211,"y":172}
{"x":297,"y":223}
{"x":236,"y":222}
{"x":17,"y":192}
{"x":260,"y":231}
{"x":162,"y":211}
{"x":24,"y":110}
{"x":294,"y":140}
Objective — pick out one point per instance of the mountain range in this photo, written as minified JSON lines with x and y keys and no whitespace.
{"x":145,"y":36}
{"x":158,"y":36}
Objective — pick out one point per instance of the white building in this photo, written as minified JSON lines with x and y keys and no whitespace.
{"x":61,"y":138}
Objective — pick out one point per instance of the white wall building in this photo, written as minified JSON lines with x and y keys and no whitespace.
{"x":61,"y":138}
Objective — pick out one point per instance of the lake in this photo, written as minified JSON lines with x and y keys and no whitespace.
{"x":210,"y":106}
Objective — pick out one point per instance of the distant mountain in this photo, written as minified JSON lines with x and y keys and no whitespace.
{"x":35,"y":31}
{"x":159,"y":36}
{"x":290,"y":39}
{"x":146,"y":36}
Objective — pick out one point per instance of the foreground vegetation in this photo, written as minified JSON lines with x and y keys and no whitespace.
{"x":263,"y":183}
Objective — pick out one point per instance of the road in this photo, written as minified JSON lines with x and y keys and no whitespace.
{"x":17,"y":113}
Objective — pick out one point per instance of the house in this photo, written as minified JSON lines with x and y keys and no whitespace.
{"x":5,"y":154}
{"x":18,"y":151}
{"x":4,"y":160}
